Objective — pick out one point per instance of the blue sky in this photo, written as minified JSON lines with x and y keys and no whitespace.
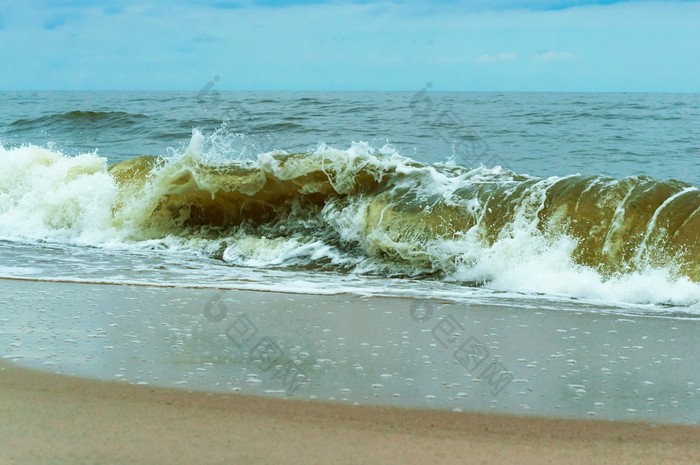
{"x":502,"y":45}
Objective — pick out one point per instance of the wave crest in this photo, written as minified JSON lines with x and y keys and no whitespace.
{"x":375,"y":211}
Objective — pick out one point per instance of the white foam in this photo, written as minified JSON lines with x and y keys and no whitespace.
{"x":529,"y":263}
{"x":44,"y":194}
{"x":49,"y":196}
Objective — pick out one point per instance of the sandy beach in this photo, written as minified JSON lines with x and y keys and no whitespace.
{"x":76,"y":417}
{"x":494,"y":357}
{"x":53,"y":419}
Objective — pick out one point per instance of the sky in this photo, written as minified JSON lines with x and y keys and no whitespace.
{"x":458,"y":45}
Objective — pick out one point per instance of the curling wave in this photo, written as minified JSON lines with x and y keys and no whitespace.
{"x":373,"y":211}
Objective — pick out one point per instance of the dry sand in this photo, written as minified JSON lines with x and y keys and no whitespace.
{"x":54,"y":419}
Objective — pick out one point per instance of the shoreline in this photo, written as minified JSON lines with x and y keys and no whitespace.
{"x":56,"y":419}
{"x":116,"y":374}
{"x":472,"y":358}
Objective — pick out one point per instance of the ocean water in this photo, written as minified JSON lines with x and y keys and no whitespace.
{"x":546,"y":200}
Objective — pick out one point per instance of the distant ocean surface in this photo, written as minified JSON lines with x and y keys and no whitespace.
{"x":528,"y":199}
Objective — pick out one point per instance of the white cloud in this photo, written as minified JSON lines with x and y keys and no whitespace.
{"x":339,"y":45}
{"x":551,"y":56}
{"x":501,"y":57}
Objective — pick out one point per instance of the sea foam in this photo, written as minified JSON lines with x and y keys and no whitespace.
{"x":369,"y":211}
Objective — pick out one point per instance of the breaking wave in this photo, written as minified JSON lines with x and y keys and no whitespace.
{"x":371,"y":211}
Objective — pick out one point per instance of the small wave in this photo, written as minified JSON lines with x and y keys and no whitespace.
{"x":93,"y":119}
{"x":278,"y":126}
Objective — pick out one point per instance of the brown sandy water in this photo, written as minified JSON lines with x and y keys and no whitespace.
{"x":402,"y":211}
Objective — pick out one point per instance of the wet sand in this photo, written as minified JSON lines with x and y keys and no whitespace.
{"x":497,"y":357}
{"x":572,"y":372}
{"x":54,"y":419}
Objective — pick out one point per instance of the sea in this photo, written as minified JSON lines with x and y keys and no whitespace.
{"x":546,"y":200}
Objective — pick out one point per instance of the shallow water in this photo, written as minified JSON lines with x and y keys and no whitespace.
{"x":582,"y":363}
